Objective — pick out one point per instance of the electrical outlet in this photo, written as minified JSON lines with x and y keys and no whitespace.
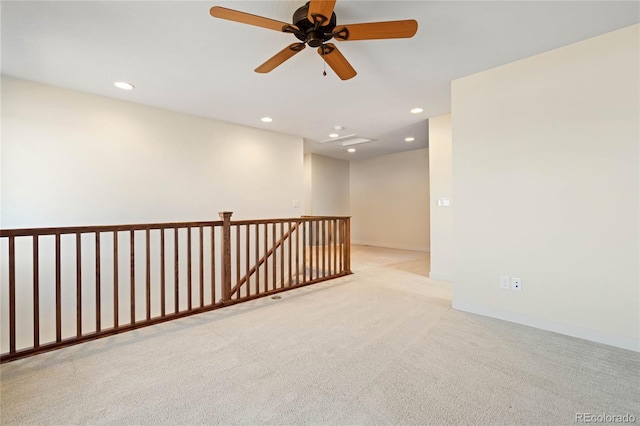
{"x":516,"y":284}
{"x":504,"y":282}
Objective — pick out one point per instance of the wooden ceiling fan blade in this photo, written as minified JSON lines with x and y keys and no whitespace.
{"x":376,"y":30}
{"x":280,"y":57}
{"x":247,"y":18}
{"x":336,"y":61}
{"x":320,"y":8}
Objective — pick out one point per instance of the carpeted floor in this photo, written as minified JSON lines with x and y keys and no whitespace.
{"x":382,"y":346}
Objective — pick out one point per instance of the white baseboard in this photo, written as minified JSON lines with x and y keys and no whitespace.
{"x":557,"y":327}
{"x":391,"y":245}
{"x":440,"y":276}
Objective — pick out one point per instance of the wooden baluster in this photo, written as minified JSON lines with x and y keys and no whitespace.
{"x":341,"y":236}
{"x":176,"y":281}
{"x":201,"y":260}
{"x":332,"y":266}
{"x":325,"y":243}
{"x":329,"y":247}
{"x":98,"y":286}
{"x":36,"y":293}
{"x":347,"y":254}
{"x":311,"y":249}
{"x":213,"y":264}
{"x":311,"y":238}
{"x":238,"y":260}
{"x":148,"y":271}
{"x":12,"y":294}
{"x":78,"y":284}
{"x":324,"y":249}
{"x":281,"y":254}
{"x":297,"y":252}
{"x":163,"y":275}
{"x":116,"y":310}
{"x":132,"y":280}
{"x":248,"y":283}
{"x":289,"y":281}
{"x":266,"y":261}
{"x":304,"y":251}
{"x":275,"y":257}
{"x":226,"y":254}
{"x":317,"y":233}
{"x":335,"y":247}
{"x":189,"y":288}
{"x":58,"y":290}
{"x":257,"y":258}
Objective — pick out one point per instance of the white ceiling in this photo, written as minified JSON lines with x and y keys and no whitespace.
{"x":182,"y":59}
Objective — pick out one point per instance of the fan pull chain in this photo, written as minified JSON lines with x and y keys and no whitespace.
{"x":324,"y":63}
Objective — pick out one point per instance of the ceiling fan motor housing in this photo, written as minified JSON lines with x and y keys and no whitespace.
{"x":311,"y":35}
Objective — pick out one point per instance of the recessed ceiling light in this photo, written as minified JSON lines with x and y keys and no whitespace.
{"x":351,"y":150}
{"x":123,"y":85}
{"x":409,"y":139}
{"x":416,"y":111}
{"x":266,"y":119}
{"x":333,"y":135}
{"x":338,"y":128}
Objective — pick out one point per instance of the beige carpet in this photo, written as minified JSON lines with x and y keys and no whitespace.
{"x":379,"y":347}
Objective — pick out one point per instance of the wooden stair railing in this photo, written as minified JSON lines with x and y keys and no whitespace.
{"x":262,"y":260}
{"x":64,"y":286}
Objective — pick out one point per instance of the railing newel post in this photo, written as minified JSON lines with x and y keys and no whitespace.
{"x":226,"y":254}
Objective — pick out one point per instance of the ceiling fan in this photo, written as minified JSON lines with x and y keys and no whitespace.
{"x":314,"y":24}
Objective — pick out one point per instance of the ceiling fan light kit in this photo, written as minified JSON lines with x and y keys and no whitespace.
{"x":314,"y":24}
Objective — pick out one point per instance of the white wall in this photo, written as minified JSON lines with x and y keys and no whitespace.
{"x":390,"y":201}
{"x":70,"y":158}
{"x":308,"y":195}
{"x":546,"y":184}
{"x":75,"y":159}
{"x":326,"y":186}
{"x":440,"y":179}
